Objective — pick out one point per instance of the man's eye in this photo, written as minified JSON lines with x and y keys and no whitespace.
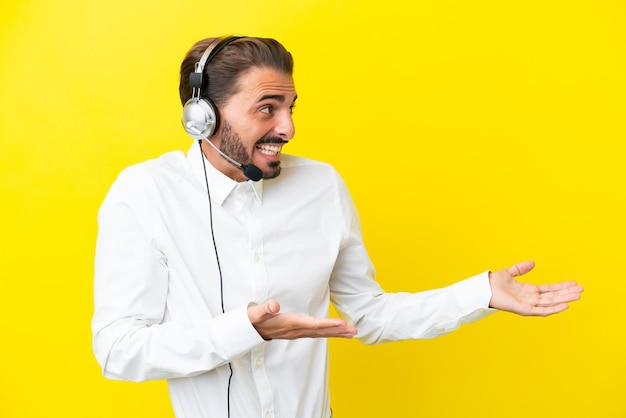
{"x":266,"y":109}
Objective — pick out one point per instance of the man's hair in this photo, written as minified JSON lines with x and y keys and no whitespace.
{"x":224,"y":71}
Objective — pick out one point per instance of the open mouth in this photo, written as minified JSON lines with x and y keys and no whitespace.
{"x":270,"y":149}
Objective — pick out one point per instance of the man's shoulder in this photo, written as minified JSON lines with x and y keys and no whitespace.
{"x":168,"y":162}
{"x":167,"y":168}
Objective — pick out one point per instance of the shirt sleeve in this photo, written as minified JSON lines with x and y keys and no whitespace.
{"x":383,"y":317}
{"x":132,"y":340}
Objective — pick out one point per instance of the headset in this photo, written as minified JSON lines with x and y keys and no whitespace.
{"x":200,"y":115}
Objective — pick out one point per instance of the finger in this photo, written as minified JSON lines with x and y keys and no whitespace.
{"x":326,"y":327}
{"x":348,"y":335}
{"x":340,"y":331}
{"x":571,"y":285}
{"x":521,"y":268}
{"x":324,"y":324}
{"x":569,"y":294}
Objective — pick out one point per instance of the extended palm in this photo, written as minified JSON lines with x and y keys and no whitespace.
{"x":270,"y":323}
{"x":510,"y":295}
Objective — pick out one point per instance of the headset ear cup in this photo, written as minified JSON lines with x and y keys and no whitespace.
{"x":201,"y":115}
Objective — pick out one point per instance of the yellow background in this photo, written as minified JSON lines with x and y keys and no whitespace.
{"x":472,"y":134}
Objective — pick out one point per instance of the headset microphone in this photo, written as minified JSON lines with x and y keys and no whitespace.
{"x":251,"y":171}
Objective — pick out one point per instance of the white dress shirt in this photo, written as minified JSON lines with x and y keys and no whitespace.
{"x":296,"y":239}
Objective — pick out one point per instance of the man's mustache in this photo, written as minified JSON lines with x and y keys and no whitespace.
{"x":271,"y":140}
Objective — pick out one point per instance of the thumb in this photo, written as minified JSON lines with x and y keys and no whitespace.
{"x":271,"y":307}
{"x":259,"y":313}
{"x":521,"y":268}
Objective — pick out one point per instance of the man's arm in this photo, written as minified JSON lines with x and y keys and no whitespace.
{"x":508,"y":294}
{"x":132,"y":338}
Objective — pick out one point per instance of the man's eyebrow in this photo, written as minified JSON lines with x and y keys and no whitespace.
{"x":278,"y":97}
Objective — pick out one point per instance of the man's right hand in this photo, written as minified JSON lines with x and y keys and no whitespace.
{"x":271,"y":324}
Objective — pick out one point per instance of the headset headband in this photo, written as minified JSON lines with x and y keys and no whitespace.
{"x":196,"y":78}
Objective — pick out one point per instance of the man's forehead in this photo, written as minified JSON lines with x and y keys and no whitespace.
{"x":260,"y":83}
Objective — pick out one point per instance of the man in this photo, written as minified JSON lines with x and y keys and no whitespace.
{"x":222,"y":284}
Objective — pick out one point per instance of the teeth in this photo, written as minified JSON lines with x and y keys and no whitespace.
{"x":268,"y":149}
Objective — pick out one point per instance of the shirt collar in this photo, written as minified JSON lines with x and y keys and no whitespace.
{"x":220,"y":185}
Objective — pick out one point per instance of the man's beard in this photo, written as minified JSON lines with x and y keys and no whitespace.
{"x":232,"y":146}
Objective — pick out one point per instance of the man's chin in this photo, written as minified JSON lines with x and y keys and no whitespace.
{"x":273,"y":171}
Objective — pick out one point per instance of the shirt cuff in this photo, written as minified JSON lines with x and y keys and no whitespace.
{"x":474,"y":297}
{"x":233,"y":334}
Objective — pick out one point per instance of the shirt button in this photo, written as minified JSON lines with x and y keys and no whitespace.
{"x":256,"y":258}
{"x":258,"y":363}
{"x":268,"y":415}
